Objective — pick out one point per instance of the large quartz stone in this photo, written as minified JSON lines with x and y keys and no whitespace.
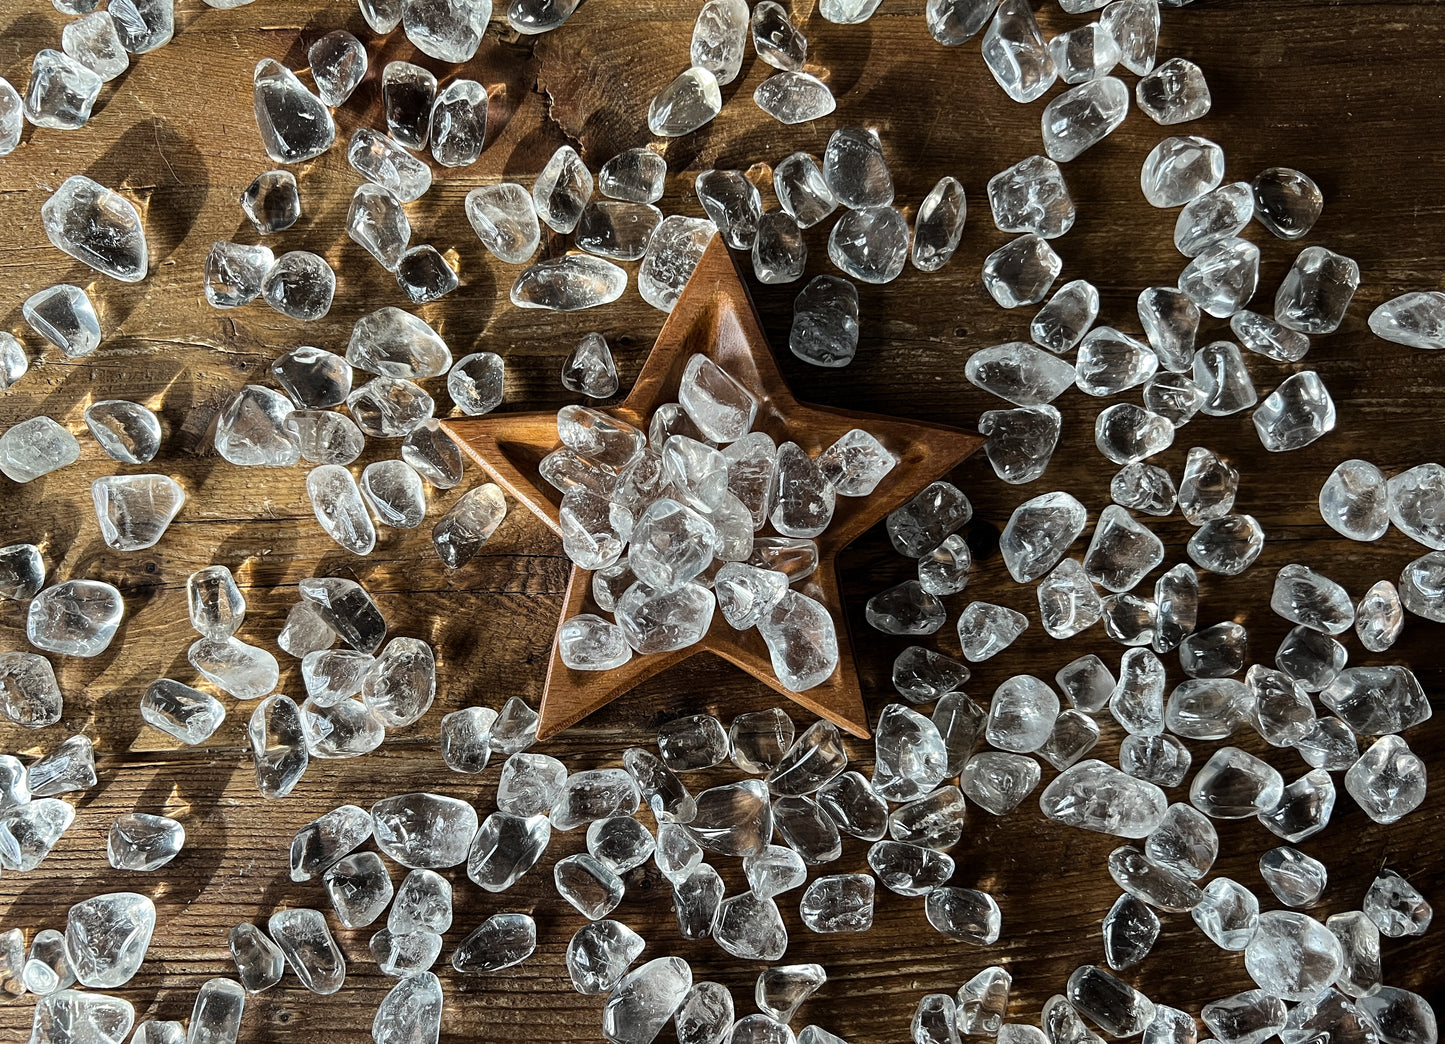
{"x":106,"y":938}
{"x":447,"y":30}
{"x":1080,"y":118}
{"x":74,"y":618}
{"x":686,"y":104}
{"x":62,"y":92}
{"x":1016,"y":53}
{"x":135,"y":510}
{"x":505,"y":219}
{"x":295,"y":125}
{"x":1181,"y":169}
{"x":98,"y":227}
{"x":423,"y":830}
{"x":309,"y":948}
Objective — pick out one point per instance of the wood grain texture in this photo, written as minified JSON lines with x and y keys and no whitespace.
{"x":1349,"y":92}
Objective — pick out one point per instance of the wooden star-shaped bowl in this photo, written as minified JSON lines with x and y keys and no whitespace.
{"x":715,"y":316}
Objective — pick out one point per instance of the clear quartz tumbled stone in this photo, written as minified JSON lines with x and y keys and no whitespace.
{"x":1083,"y":116}
{"x":1022,"y":271}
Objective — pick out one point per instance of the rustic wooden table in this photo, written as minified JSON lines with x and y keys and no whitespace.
{"x":1349,"y":92}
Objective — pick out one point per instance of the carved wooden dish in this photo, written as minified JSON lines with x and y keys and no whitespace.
{"x":715,"y":316}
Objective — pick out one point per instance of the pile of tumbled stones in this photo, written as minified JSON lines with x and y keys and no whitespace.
{"x":1314,"y":978}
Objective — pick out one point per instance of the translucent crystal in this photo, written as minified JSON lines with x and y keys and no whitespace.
{"x":1122,"y":550}
{"x":187,"y":714}
{"x":905,"y":609}
{"x":801,"y":188}
{"x":425,"y":275}
{"x":592,"y":795}
{"x":776,"y":40}
{"x":1175,"y":92}
{"x":1068,"y":602}
{"x":1304,"y":809}
{"x":459,"y":123}
{"x":1416,"y":319}
{"x":106,"y":938}
{"x":1396,"y":906}
{"x":408,"y":93}
{"x":1095,"y":796}
{"x":644,"y":1001}
{"x":13,"y":362}
{"x":1227,"y":545}
{"x":672,"y":254}
{"x":68,"y":1016}
{"x":983,"y":1002}
{"x":28,"y":832}
{"x":838,"y":903}
{"x":505,"y":219}
{"x":1228,"y":914}
{"x":1134,"y":24}
{"x":411,"y":1011}
{"x":1020,"y":442}
{"x":998,"y":782}
{"x":1130,"y":930}
{"x":1223,"y":277}
{"x":825,"y":322}
{"x":1110,"y":362}
{"x":964,"y":914}
{"x":636,"y":175}
{"x":423,"y":830}
{"x":935,"y":821}
{"x":1207,"y":708}
{"x":1085,"y":53}
{"x":588,"y":885}
{"x":1377,"y":701}
{"x":1170,"y":320}
{"x":1234,"y":784}
{"x":1354,"y":500}
{"x":1083,"y":116}
{"x":1388,"y":781}
{"x":29,"y":695}
{"x":62,"y":91}
{"x":1060,"y":324}
{"x":1287,"y":201}
{"x":1162,"y":760}
{"x":1020,"y":373}
{"x":1317,"y":291}
{"x":47,"y":966}
{"x":620,"y":843}
{"x":775,"y":869}
{"x":719,"y":38}
{"x":74,"y":618}
{"x":697,"y":895}
{"x":135,"y":510}
{"x":1016,"y":54}
{"x":339,"y":507}
{"x":1267,"y":337}
{"x":985,"y":629}
{"x":733,"y":820}
{"x":616,"y":229}
{"x":870,"y":244}
{"x":1156,"y":885}
{"x":1251,"y":1017}
{"x":935,"y":1021}
{"x":271,"y":202}
{"x":143,"y":842}
{"x":300,"y":285}
{"x":938,"y":226}
{"x":94,"y":42}
{"x":1143,"y":487}
{"x":1416,"y":497}
{"x":779,"y":252}
{"x":1296,"y":879}
{"x":97,"y":227}
{"x":1292,"y":955}
{"x":530,"y":784}
{"x":295,"y":124}
{"x":12,"y":115}
{"x":599,"y":954}
{"x":686,"y":104}
{"x":1126,"y":433}
{"x":1022,"y":271}
{"x":64,"y":316}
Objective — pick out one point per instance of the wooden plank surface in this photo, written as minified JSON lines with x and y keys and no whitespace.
{"x":1349,"y":92}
